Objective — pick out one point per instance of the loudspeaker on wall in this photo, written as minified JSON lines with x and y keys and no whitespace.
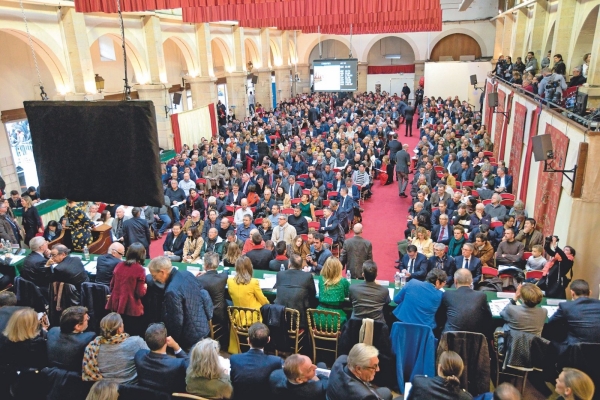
{"x":493,"y":99}
{"x":473,"y":80}
{"x":542,"y":146}
{"x":254,"y":79}
{"x":177,"y":98}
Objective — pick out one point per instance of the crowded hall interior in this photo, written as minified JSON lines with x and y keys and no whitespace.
{"x":299,"y":199}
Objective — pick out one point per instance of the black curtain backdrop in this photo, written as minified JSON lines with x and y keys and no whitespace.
{"x":96,"y":151}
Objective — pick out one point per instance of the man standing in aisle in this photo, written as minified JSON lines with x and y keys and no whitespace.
{"x":402,"y":165}
{"x":409,"y":111}
{"x":251,"y":103}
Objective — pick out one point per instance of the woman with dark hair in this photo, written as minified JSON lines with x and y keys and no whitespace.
{"x":555,"y":271}
{"x":127,"y":287}
{"x":196,"y":202}
{"x":31,"y":220}
{"x":52,"y":231}
{"x":559,"y":65}
{"x":446,"y":385}
{"x":192,"y":246}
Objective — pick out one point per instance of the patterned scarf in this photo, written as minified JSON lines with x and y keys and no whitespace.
{"x":550,"y":264}
{"x":90,"y":370}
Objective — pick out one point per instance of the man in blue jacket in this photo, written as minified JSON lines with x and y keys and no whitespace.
{"x":419,"y":301}
{"x":298,"y":380}
{"x":250,"y":371}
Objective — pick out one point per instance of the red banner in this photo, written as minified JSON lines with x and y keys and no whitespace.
{"x":549,"y":184}
{"x":533,"y":128}
{"x":505,"y":127}
{"x":489,"y":88}
{"x":391,"y":69}
{"x":516,"y":147}
{"x":499,"y":123}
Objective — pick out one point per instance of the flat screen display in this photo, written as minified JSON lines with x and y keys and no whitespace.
{"x":340,"y":75}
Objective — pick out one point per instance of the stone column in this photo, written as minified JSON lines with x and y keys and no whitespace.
{"x":154,"y":48}
{"x":518,"y":38}
{"x":506,"y":42}
{"x":361,"y":86}
{"x":203,"y":38}
{"x":592,"y":88}
{"x":159,"y":94}
{"x":285,"y":48}
{"x":239,"y":49}
{"x":304,"y":74}
{"x":237,"y":96}
{"x":563,"y":29}
{"x":282,"y":83}
{"x":263,"y":88}
{"x":8,"y":169}
{"x":499,"y":37}
{"x":204,"y":91}
{"x":537,"y":33}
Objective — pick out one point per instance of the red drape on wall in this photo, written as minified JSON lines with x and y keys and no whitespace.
{"x":516,"y":148}
{"x":176,"y":133}
{"x":391,"y":69}
{"x":549,"y":184}
{"x":533,"y":128}
{"x":499,"y":124}
{"x":489,"y":88}
{"x":212,"y":110}
{"x":505,"y":126}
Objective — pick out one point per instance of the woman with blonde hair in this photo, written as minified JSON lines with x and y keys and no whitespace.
{"x":333,"y":289}
{"x":266,"y":229}
{"x":315,"y":199}
{"x":233,"y":253}
{"x":205,"y":376}
{"x":110,"y":355}
{"x":388,"y":167}
{"x":104,"y":390}
{"x":300,"y":247}
{"x":245,"y":292}
{"x":23,"y":342}
{"x":423,"y":242}
{"x":573,"y":384}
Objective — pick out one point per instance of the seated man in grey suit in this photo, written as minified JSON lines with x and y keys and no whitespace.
{"x":368,"y":298}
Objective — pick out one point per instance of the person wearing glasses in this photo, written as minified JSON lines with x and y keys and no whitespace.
{"x":351,"y":376}
{"x":106,"y":263}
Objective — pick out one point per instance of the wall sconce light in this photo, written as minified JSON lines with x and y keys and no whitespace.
{"x":249,"y":66}
{"x":99,"y":83}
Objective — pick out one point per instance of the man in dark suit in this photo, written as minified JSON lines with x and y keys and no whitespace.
{"x":235,"y":196}
{"x":259,"y":255}
{"x":402,"y":160}
{"x":250,"y":371}
{"x":173,"y":244}
{"x":466,"y":173}
{"x":135,"y":230}
{"x":395,"y":146}
{"x":414,"y":264}
{"x":155,"y":369}
{"x":408,"y":118}
{"x":106,"y":263}
{"x":296,"y":288}
{"x":576,"y":321}
{"x":68,"y":270}
{"x":502,"y":182}
{"x":329,"y":224}
{"x":292,"y":188}
{"x":369,"y":298}
{"x":351,"y":374}
{"x":442,"y":232}
{"x":34,"y":265}
{"x":298,"y":380}
{"x":464,"y":309}
{"x":355,"y":252}
{"x":441,"y":260}
{"x":453,"y":166}
{"x":66,"y":344}
{"x":469,"y":261}
{"x":214,"y":283}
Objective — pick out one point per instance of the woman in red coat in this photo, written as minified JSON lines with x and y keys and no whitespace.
{"x":128,"y":286}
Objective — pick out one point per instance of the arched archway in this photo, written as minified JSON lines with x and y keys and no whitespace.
{"x":186,"y":55}
{"x":330,"y":48}
{"x":455,"y":46}
{"x":293,"y":53}
{"x":390,"y":45}
{"x":482,"y":46}
{"x":314,"y":46}
{"x":549,"y":42}
{"x":178,"y":62}
{"x":222,"y":57}
{"x":275,"y":59}
{"x":252,"y":53}
{"x":112,"y":69}
{"x":585,"y":39}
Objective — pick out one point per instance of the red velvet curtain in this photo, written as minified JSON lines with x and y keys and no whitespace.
{"x":499,"y":123}
{"x":489,"y":88}
{"x":391,"y":69}
{"x":533,"y":128}
{"x":516,"y":148}
{"x":212,"y":110}
{"x":176,"y":132}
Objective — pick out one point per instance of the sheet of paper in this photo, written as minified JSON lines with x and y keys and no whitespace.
{"x":407,"y":387}
{"x":323,"y":371}
{"x":14,"y":259}
{"x":554,"y":302}
{"x":193,"y":270}
{"x":91,"y":267}
{"x":505,"y":295}
{"x":551,"y":310}
{"x":266,"y":283}
{"x":496,"y":306}
{"x":391,"y":293}
{"x":383,"y":283}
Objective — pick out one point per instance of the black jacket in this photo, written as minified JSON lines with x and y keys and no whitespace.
{"x":71,"y":271}
{"x":578,"y":320}
{"x":311,"y":390}
{"x":187,"y":308}
{"x":260,"y":258}
{"x":424,"y":387}
{"x":343,"y":385}
{"x":34,"y":270}
{"x":136,"y":230}
{"x":65,"y":350}
{"x":105,"y":265}
{"x":300,"y":223}
{"x":161,"y":372}
{"x":214,"y":283}
{"x":465,"y":309}
{"x":177,"y":246}
{"x":296,"y":290}
{"x":250,"y":374}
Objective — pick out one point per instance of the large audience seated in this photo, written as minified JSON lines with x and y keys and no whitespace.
{"x":280,"y":192}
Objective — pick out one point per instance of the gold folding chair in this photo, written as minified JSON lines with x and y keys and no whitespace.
{"x":292,"y":317}
{"x":216,"y":330}
{"x":241,"y":318}
{"x":324,"y":326}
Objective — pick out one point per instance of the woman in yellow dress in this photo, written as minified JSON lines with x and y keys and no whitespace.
{"x":245,"y":292}
{"x":81,"y":225}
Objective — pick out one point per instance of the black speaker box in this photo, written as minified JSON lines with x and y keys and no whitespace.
{"x":97,"y":151}
{"x":493,"y":99}
{"x":254,"y":79}
{"x":473,"y":80}
{"x":542,"y":145}
{"x":177,"y":98}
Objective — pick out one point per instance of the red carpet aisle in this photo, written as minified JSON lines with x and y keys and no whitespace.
{"x":384,"y":219}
